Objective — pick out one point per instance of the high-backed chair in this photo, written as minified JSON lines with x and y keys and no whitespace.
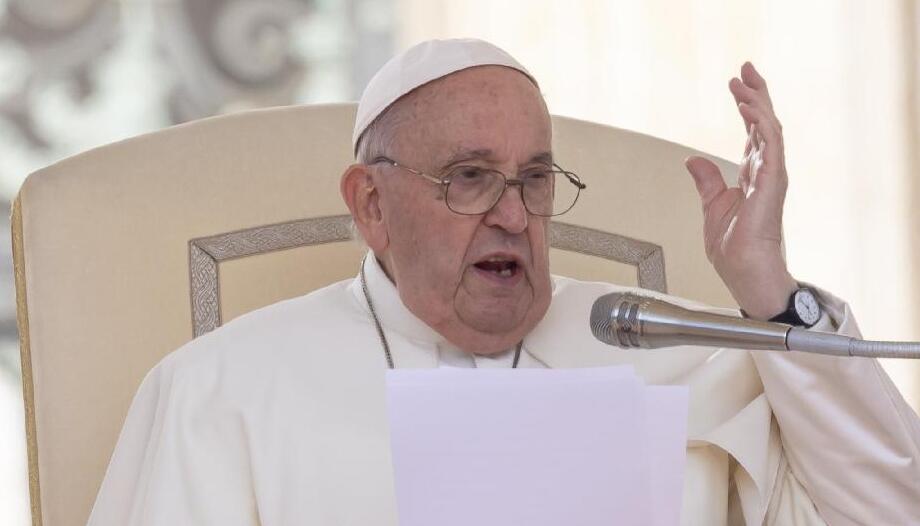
{"x":127,"y":251}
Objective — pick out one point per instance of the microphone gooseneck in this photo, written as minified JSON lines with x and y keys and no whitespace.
{"x":632,"y":321}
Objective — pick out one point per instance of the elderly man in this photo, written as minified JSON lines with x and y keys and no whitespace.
{"x":279,"y":417}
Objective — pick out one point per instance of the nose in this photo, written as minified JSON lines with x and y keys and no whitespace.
{"x":509,"y":212}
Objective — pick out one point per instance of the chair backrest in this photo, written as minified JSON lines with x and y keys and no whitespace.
{"x":125,"y":252}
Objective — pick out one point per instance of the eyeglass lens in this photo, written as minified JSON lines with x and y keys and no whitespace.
{"x":474,"y":190}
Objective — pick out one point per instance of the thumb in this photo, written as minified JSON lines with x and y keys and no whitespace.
{"x":707,"y":176}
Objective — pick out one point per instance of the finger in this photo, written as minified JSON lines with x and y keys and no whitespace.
{"x":708,"y":179}
{"x":744,"y":93}
{"x":744,"y":172}
{"x":765,"y":135}
{"x":752,"y":77}
{"x":770,"y":145}
{"x":749,"y":143}
{"x":771,"y":177}
{"x":765,"y":120}
{"x":752,"y":80}
{"x":762,"y":119}
{"x":734,"y":87}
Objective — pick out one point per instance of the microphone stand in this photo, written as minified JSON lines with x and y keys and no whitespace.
{"x":631,"y":321}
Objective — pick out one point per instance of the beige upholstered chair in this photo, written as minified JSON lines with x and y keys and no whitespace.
{"x":126,"y":252}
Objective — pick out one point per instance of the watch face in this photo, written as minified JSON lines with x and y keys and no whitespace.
{"x":806,"y":306}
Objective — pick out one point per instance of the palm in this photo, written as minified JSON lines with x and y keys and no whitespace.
{"x":742,"y":219}
{"x":743,"y":224}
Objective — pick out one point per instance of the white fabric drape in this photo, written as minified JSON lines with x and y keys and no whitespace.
{"x":279,"y":417}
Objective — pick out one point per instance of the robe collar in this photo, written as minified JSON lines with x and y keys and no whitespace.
{"x":391,"y":311}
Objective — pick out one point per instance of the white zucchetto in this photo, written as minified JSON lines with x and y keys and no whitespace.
{"x":421,"y":64}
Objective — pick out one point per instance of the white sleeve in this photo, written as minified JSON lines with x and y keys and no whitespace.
{"x":851,"y":440}
{"x":180,"y":459}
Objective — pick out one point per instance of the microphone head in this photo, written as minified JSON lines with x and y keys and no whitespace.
{"x":629,"y":320}
{"x":614,"y":319}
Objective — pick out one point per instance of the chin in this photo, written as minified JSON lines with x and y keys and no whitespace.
{"x":495,"y":326}
{"x":494,"y":317}
{"x":491,"y":332}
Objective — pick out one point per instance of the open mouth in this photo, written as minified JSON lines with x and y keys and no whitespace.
{"x":499,"y":266}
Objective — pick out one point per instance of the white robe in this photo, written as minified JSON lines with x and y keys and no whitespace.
{"x":279,"y":418}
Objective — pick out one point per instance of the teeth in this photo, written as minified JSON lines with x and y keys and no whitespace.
{"x":505,"y":273}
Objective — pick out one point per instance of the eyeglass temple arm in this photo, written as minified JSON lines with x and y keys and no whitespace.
{"x":571,"y":177}
{"x":391,"y":162}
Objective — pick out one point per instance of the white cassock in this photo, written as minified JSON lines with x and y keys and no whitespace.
{"x":279,"y":418}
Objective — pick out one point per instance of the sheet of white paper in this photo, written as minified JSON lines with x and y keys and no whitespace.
{"x":666,"y":412}
{"x":527,"y":446}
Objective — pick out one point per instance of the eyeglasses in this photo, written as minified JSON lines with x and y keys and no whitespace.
{"x":473,"y":190}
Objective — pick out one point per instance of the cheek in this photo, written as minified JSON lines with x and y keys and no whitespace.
{"x":433,"y":270}
{"x":540,"y":281}
{"x":440,"y":258}
{"x":538,"y":234}
{"x":429,"y":243}
{"x":411,"y":221}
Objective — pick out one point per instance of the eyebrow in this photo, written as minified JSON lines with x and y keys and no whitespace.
{"x":484,"y":154}
{"x":542,"y":158}
{"x":468,"y":155}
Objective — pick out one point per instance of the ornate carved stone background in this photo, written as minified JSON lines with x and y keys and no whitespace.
{"x":57,"y":42}
{"x":229,"y":54}
{"x":81,"y":73}
{"x":215,"y":55}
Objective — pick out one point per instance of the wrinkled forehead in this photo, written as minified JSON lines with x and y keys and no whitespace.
{"x":485,"y":109}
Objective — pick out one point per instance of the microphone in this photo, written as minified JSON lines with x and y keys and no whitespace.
{"x":631,"y":321}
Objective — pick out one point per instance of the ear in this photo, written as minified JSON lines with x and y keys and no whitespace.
{"x":362,"y":198}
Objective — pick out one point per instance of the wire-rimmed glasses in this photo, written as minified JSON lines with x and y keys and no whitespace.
{"x":474,"y":190}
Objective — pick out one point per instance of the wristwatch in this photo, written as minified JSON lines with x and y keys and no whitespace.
{"x":803,"y":309}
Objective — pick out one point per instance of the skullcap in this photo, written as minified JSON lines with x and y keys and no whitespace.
{"x":421,"y":64}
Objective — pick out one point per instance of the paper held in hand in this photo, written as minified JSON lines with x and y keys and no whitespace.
{"x":536,"y":446}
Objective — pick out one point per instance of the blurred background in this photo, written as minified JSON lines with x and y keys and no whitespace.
{"x":844,"y":76}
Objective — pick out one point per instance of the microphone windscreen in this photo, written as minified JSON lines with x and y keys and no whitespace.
{"x":613,"y":311}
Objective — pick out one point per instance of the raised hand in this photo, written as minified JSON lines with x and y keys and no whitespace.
{"x":743,"y":225}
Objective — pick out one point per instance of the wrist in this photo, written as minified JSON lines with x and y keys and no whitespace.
{"x":766,"y":298}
